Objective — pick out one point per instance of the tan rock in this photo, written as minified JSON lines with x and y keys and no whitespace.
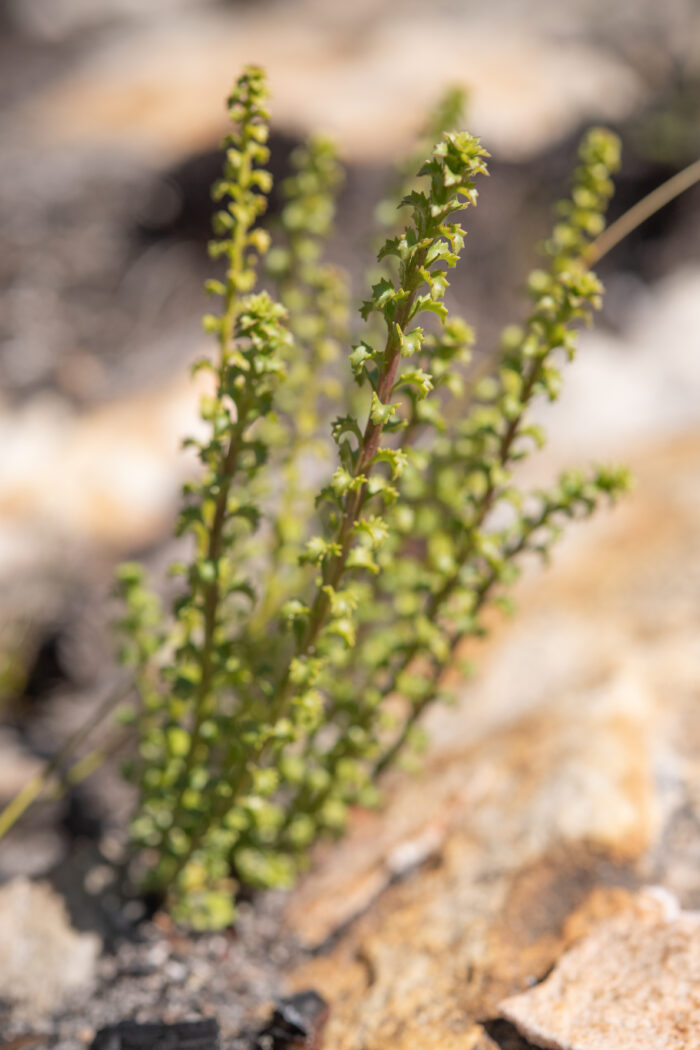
{"x":158,"y":88}
{"x":573,"y":766}
{"x":631,"y":984}
{"x":108,"y":477}
{"x":42,"y":958}
{"x":567,"y":775}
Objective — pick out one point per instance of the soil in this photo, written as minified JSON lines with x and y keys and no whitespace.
{"x":155,"y":972}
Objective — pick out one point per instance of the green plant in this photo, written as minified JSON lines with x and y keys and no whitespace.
{"x":309,"y":635}
{"x":260,"y":728}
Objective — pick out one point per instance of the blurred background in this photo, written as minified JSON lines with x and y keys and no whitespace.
{"x":111,"y":117}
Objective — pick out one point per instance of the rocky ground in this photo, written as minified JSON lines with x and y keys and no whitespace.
{"x":563,"y":786}
{"x":543,"y":809}
{"x":505,"y":889}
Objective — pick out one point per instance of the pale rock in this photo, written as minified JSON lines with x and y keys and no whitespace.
{"x":646,"y":382}
{"x":108,"y":477}
{"x":566,"y":776}
{"x":57,"y":20}
{"x":353,"y":77}
{"x":631,"y":984}
{"x":42,"y":958}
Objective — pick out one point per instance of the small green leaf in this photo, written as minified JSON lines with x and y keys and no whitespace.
{"x":381,"y":414}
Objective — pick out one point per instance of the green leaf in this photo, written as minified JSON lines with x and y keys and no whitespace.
{"x":381,"y":414}
{"x":416,"y":377}
{"x":410,"y":342}
{"x":361,"y":354}
{"x":396,"y":458}
{"x":178,"y":741}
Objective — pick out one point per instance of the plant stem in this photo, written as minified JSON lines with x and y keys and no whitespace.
{"x":216,"y":536}
{"x":333,"y":572}
{"x":440,"y":597}
{"x":641,"y":211}
{"x":91,"y":762}
{"x":31,"y":791}
{"x":481,"y":595}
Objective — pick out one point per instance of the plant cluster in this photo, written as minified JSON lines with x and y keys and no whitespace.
{"x":309,"y":635}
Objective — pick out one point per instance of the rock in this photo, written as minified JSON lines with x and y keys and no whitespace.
{"x":42,"y":958}
{"x":660,"y":394}
{"x":187,"y":1035}
{"x":631,"y":984}
{"x":17,"y":766}
{"x":566,"y":778}
{"x":33,"y":849}
{"x":528,"y":88}
{"x":517,"y":774}
{"x":109,"y":476}
{"x":297,"y":1023}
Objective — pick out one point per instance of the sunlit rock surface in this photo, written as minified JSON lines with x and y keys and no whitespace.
{"x":359,"y":71}
{"x":630,"y":984}
{"x":567,"y":778}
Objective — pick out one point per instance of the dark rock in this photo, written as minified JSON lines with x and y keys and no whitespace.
{"x":297,"y":1023}
{"x":505,"y":1036}
{"x":188,"y":1035}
